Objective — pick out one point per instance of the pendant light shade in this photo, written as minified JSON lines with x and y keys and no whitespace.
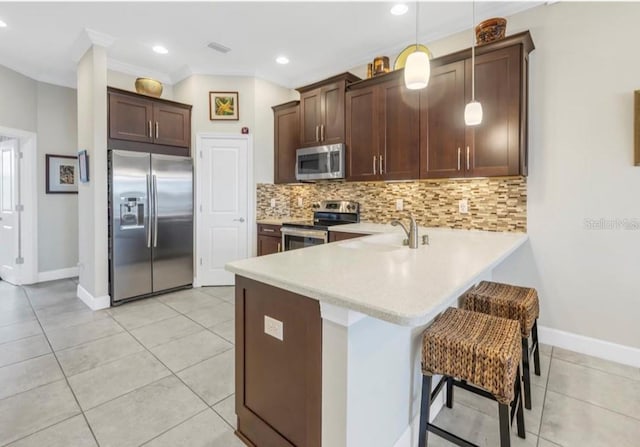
{"x":473,"y":113}
{"x":417,"y":70}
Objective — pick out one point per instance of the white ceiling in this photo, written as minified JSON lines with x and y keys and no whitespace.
{"x":320,"y":38}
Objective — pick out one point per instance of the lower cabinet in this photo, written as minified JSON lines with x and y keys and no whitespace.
{"x":335,"y":236}
{"x":269,"y":239}
{"x":278,"y":366}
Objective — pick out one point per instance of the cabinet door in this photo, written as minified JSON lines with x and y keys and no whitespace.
{"x":400,"y":152}
{"x":172,"y":125}
{"x":363,"y":130}
{"x":268,"y":245}
{"x":442,"y":136}
{"x":332,"y":110}
{"x":286,"y":141}
{"x":310,"y":117}
{"x":130,"y":118}
{"x":495,"y":143}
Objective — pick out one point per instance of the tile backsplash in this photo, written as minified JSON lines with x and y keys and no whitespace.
{"x":495,"y":204}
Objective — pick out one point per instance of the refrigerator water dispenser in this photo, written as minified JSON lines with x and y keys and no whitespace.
{"x":131,"y":212}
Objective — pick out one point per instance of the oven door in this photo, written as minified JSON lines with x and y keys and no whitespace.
{"x":294,"y":238}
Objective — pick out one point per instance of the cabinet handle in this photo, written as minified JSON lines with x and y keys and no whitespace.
{"x":157,"y":130}
{"x":279,"y":247}
{"x":268,"y":230}
{"x":468,"y":164}
{"x":374,"y":164}
{"x":317,"y":133}
{"x":150,"y":135}
{"x":459,"y":151}
{"x":321,"y":132}
{"x":381,"y":170}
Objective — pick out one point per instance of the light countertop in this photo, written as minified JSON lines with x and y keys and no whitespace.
{"x":377,"y":276}
{"x":276,"y":220}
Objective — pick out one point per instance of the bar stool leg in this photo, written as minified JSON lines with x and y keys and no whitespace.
{"x":525,"y":373}
{"x":450,"y":392}
{"x":519,"y":410}
{"x":536,"y":353}
{"x":425,"y":407}
{"x":505,"y":423}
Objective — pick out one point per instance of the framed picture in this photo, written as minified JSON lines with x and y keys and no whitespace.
{"x":62,"y":174}
{"x":83,"y":166}
{"x":223,"y":106}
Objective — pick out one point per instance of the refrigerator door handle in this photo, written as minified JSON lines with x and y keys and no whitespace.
{"x":148,"y":226}
{"x":155,"y":211}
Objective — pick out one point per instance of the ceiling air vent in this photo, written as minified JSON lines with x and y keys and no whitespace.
{"x":219,"y":47}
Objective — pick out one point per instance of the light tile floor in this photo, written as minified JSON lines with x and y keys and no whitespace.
{"x":160,"y":372}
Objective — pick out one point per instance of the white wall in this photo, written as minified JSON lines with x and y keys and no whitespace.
{"x":18,"y":102}
{"x":127,"y":82}
{"x":57,"y":213}
{"x":582,"y":77}
{"x":92,"y":197}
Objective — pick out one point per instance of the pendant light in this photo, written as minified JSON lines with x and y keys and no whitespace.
{"x":473,"y":110}
{"x":417,"y":69}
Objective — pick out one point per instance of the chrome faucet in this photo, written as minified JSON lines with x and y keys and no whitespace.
{"x":412,"y":232}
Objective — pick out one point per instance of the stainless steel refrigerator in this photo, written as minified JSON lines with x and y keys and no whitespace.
{"x":150,"y":224}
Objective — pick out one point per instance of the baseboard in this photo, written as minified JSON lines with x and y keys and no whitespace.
{"x":410,"y":436}
{"x":94,"y":303}
{"x":590,"y":346}
{"x":52,"y":275}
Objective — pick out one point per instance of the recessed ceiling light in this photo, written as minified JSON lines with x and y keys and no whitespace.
{"x":3,"y":24}
{"x":399,"y":9}
{"x":282,"y":60}
{"x":160,"y":49}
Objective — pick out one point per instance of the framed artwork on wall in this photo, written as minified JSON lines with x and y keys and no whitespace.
{"x":224,"y":106}
{"x":61,"y":174}
{"x":83,"y":166}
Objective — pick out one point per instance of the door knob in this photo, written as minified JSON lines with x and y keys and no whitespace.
{"x":239,"y":220}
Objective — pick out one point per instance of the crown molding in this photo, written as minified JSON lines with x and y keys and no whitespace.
{"x":138,"y":71}
{"x":86,"y":40}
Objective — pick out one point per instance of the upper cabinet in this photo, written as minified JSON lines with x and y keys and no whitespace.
{"x":142,"y":123}
{"x":382,"y":131}
{"x":322,"y":110}
{"x":286,"y":119}
{"x":498,"y":145}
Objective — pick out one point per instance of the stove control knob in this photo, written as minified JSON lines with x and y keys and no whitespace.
{"x":351,"y":207}
{"x":315,"y":206}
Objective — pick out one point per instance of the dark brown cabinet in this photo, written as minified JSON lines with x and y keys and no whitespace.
{"x":322,"y":110}
{"x":269,"y":239}
{"x":286,"y":119}
{"x":138,"y":122}
{"x":383,"y":131}
{"x":497,"y":146}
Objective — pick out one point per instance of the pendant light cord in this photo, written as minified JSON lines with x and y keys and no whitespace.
{"x":417,"y":14}
{"x":473,"y":52}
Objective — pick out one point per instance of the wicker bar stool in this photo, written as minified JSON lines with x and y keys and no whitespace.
{"x":479,"y":353}
{"x":515,"y":303}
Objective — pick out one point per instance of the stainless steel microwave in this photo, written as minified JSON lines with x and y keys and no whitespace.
{"x":320,"y":162}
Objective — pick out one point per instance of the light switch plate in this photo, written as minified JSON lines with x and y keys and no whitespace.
{"x":300,"y":201}
{"x":274,"y":328}
{"x":399,"y":204}
{"x":463,"y":206}
{"x":273,"y":203}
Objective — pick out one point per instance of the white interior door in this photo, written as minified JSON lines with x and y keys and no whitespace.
{"x":9,"y":224}
{"x":223,"y":207}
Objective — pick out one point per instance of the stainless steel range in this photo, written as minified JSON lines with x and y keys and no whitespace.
{"x":326,"y":214}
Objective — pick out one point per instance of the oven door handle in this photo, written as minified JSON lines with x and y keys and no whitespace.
{"x":317,"y":234}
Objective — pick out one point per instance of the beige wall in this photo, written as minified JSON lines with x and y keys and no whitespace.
{"x":50,"y":112}
{"x":127,"y":82}
{"x":57,"y":213}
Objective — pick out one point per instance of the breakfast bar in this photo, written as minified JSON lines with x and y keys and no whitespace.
{"x":329,"y":337}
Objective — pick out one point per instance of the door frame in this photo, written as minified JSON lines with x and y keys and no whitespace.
{"x":28,"y":217}
{"x":251,"y":194}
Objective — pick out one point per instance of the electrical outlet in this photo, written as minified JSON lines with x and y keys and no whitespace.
{"x":300,"y":202}
{"x":463,"y":206}
{"x":273,"y":203}
{"x":399,"y":204}
{"x":274,"y":328}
